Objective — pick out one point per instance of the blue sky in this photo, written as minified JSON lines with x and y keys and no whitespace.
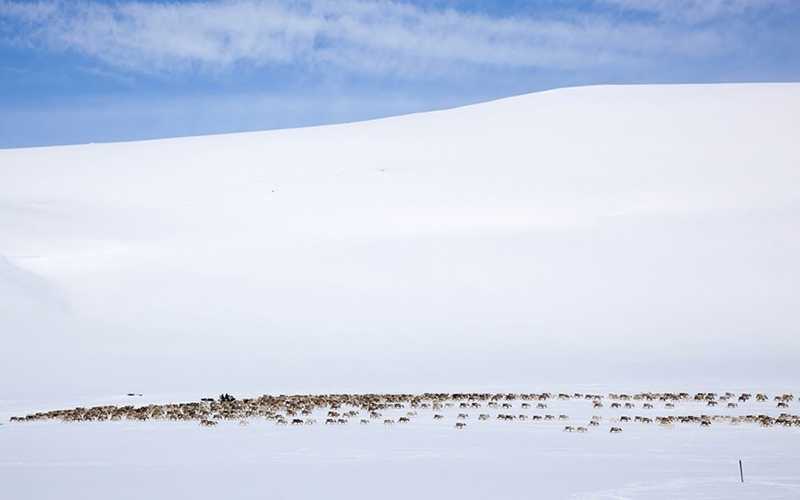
{"x":97,"y":71}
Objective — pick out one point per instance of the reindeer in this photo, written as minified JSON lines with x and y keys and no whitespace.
{"x":460,"y":425}
{"x":665,"y":422}
{"x":615,"y":430}
{"x":765,"y":421}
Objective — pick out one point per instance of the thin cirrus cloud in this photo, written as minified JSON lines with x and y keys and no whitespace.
{"x":362,"y":36}
{"x":697,"y":11}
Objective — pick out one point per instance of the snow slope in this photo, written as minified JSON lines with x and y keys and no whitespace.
{"x":611,"y":235}
{"x":637,"y":238}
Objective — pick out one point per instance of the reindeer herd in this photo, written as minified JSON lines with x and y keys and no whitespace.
{"x":666,"y":410}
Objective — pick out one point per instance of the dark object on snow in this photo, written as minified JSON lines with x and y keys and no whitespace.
{"x":133,"y":394}
{"x":226,"y":398}
{"x":207,"y":400}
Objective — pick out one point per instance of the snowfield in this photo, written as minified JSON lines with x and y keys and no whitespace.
{"x":598,"y":239}
{"x":531,"y":454}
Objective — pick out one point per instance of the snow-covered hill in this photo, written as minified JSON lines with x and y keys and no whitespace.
{"x":619,"y":234}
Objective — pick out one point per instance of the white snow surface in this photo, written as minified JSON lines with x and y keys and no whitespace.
{"x":638,"y":238}
{"x":424,"y":458}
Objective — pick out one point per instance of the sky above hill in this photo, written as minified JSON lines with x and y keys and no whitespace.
{"x":99,"y":71}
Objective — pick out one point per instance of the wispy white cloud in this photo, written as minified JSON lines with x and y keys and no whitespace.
{"x":367,"y":36}
{"x":697,"y":11}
